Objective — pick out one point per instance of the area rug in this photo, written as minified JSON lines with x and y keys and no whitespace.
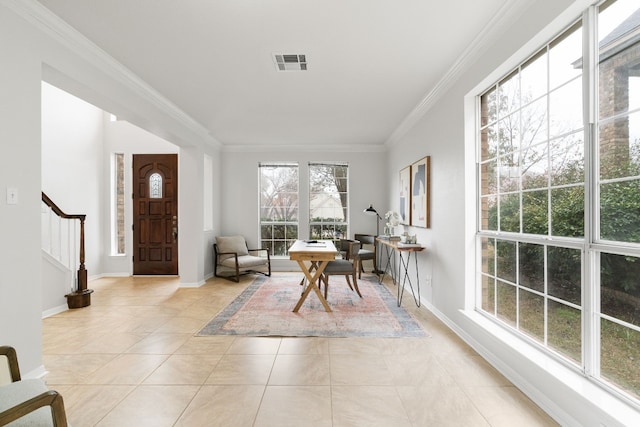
{"x":265,"y":307}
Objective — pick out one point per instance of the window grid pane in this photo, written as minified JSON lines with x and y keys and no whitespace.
{"x":328,"y":201}
{"x":279,"y":207}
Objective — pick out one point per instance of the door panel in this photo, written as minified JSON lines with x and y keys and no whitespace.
{"x":155,"y":214}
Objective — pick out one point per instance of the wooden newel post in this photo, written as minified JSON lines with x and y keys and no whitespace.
{"x":82,"y":296}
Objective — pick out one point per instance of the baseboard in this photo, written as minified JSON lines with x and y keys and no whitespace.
{"x":39,"y":373}
{"x":54,"y":310}
{"x":192,"y":285}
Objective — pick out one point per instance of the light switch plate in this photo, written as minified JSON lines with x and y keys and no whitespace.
{"x":12,"y":196}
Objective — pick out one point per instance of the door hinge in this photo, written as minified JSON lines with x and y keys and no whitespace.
{"x":133,"y":227}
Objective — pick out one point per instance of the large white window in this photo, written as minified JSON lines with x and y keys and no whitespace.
{"x":279,"y":206}
{"x":559,"y":199}
{"x":328,"y":201}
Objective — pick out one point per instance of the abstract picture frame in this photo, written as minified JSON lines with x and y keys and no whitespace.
{"x":405,"y":196}
{"x":421,"y":193}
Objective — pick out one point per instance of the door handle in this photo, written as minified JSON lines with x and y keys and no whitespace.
{"x":175,"y":233}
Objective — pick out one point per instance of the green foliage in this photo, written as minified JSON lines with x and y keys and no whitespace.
{"x":619,"y":221}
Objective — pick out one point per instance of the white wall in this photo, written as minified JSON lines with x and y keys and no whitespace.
{"x":20,"y":282}
{"x":368,"y":184}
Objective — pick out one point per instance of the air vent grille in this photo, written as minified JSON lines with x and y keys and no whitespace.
{"x":290,"y":62}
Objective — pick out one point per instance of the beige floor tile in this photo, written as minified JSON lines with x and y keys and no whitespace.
{"x":73,"y":368}
{"x":202,"y":312}
{"x":206,"y":345}
{"x":470,"y":370}
{"x":508,"y":406}
{"x":418,"y":369}
{"x":304,"y":345}
{"x":242,"y":369}
{"x":359,"y":369}
{"x":355,"y":345}
{"x":300,"y":369}
{"x":86,"y":405}
{"x":223,"y":406}
{"x":132,"y":358}
{"x":182,"y":325}
{"x":444,"y":406}
{"x":295,"y":406}
{"x":158,"y":343}
{"x":184,"y":369}
{"x":153,"y":406}
{"x":368,"y":406}
{"x":254,"y":345}
{"x":117,"y":342}
{"x":129,"y":369}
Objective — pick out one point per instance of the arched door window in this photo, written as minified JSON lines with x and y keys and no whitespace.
{"x":155,"y":186}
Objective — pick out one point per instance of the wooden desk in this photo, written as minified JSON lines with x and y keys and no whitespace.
{"x":402,"y":277}
{"x":318,"y":255}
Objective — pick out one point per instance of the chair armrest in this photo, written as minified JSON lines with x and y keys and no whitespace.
{"x":227,"y":253}
{"x":49,"y":398}
{"x":12,"y":358}
{"x":260,"y":250}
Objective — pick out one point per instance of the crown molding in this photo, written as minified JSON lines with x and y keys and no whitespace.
{"x":53,"y":26}
{"x":345,"y":148}
{"x":502,"y":19}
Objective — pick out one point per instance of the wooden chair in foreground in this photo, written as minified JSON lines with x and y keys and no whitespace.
{"x":26,"y":402}
{"x":347,"y":267}
{"x":232,"y":253}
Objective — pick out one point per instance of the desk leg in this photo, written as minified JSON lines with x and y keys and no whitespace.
{"x":313,"y":284}
{"x":389,"y":268}
{"x":313,"y":266}
{"x":405,"y":278}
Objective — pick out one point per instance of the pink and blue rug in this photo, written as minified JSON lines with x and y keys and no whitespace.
{"x":265,"y":307}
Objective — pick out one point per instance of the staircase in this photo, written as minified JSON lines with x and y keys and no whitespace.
{"x":63,"y":240}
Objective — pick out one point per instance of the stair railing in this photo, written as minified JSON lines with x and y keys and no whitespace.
{"x":80,"y":296}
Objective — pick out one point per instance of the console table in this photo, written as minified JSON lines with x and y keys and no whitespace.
{"x":404,"y":251}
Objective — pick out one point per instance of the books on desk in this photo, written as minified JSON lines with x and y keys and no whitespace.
{"x":314,"y":243}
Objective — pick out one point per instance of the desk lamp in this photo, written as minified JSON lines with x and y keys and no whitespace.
{"x":371,"y":211}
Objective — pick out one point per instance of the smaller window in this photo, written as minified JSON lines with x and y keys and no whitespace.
{"x":118,"y":204}
{"x":155,"y":186}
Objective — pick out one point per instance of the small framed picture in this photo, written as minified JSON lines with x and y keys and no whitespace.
{"x":405,"y":196}
{"x":420,"y":192}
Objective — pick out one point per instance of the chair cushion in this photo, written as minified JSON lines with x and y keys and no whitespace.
{"x":20,"y":391}
{"x":235,"y":244}
{"x":366,"y":254}
{"x":244,"y":261}
{"x":339,"y":266}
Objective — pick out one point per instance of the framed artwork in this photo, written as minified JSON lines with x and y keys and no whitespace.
{"x":405,"y":196}
{"x":420,"y":192}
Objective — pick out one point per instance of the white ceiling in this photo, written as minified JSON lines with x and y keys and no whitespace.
{"x":370,"y":62}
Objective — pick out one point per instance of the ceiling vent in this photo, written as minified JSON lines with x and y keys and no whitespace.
{"x":290,"y":62}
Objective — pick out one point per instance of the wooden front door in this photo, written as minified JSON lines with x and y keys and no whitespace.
{"x":155,"y":214}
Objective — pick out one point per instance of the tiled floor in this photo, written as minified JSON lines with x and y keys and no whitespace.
{"x":131,"y":359}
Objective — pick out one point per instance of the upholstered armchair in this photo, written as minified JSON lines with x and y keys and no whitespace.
{"x":26,"y":402}
{"x":233,"y":258}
